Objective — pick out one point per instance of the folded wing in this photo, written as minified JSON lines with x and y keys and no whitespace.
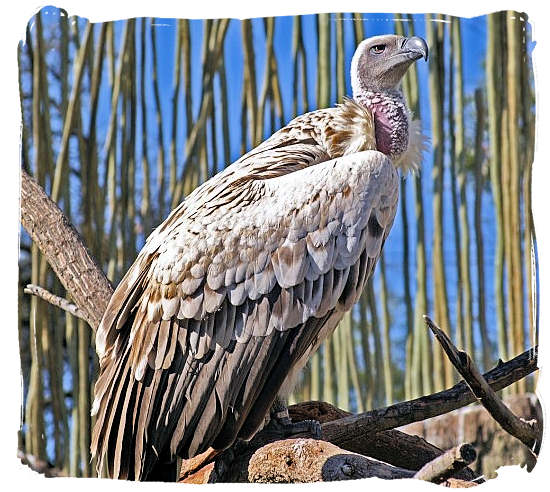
{"x":226,"y":298}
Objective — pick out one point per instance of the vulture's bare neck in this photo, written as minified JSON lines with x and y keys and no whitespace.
{"x":391,"y":119}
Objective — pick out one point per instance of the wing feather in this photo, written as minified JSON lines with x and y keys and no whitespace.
{"x":193,"y":349}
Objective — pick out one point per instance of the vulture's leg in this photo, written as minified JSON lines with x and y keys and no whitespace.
{"x":280,"y":422}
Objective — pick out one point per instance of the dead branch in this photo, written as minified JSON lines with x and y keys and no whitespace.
{"x":483,"y":392}
{"x":373,"y":433}
{"x":392,"y":447}
{"x":65,"y":251}
{"x":346,"y":429}
{"x":54,"y":300}
{"x":448,"y":464}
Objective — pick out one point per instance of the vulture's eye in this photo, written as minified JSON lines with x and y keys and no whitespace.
{"x":378,"y":48}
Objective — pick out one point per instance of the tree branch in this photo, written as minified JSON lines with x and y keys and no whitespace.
{"x":56,"y":301}
{"x":448,"y":464}
{"x":347,"y":429}
{"x":65,"y":251}
{"x":390,"y":446}
{"x":518,"y":428}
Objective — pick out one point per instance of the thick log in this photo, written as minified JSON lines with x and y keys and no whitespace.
{"x":367,"y":433}
{"x":65,"y":251}
{"x":391,"y":447}
{"x":308,"y":460}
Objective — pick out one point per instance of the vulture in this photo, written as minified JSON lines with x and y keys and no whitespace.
{"x":239,"y":286}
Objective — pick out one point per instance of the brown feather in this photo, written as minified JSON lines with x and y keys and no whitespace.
{"x":237,"y":288}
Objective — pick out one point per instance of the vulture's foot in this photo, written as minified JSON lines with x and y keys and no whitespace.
{"x":281,"y":425}
{"x":309,"y":428}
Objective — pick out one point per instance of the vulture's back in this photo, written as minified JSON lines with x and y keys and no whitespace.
{"x":236,"y":289}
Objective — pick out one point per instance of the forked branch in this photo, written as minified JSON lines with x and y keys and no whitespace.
{"x":348,"y":428}
{"x":483,"y":392}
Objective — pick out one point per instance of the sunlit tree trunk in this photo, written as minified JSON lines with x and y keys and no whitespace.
{"x":250,"y":78}
{"x":459,"y":328}
{"x":224,"y":114}
{"x":331,"y":359}
{"x":528,"y":118}
{"x":435,"y":34}
{"x":71,"y":335}
{"x":388,"y":379}
{"x":367,"y":357}
{"x":403,"y":200}
{"x":298,"y":53}
{"x":353,"y":367}
{"x":460,"y":158}
{"x":323,"y":60}
{"x":175,"y":106}
{"x":34,"y":417}
{"x":45,"y":318}
{"x":494,"y":107}
{"x":358,"y":28}
{"x":158,"y":116}
{"x":342,"y":362}
{"x":478,"y":161}
{"x":266,"y":91}
{"x":379,"y":388}
{"x":145,"y":211}
{"x":513,"y":100}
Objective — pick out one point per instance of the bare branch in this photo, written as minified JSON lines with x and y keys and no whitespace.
{"x":448,"y":464}
{"x":56,"y":301}
{"x":346,"y":429}
{"x":483,"y":392}
{"x":65,"y":251}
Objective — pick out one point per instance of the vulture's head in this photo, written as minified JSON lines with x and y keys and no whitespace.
{"x":380,"y":62}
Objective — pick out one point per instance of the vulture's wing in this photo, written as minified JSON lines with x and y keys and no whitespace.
{"x":227,"y":296}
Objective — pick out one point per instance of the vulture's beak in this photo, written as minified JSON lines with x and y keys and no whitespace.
{"x":415,"y":48}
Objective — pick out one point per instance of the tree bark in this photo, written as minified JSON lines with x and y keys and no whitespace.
{"x":308,"y":460}
{"x":65,"y":251}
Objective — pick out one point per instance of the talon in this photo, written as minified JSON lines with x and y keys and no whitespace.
{"x":286,"y":428}
{"x":281,"y":424}
{"x":315,"y":429}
